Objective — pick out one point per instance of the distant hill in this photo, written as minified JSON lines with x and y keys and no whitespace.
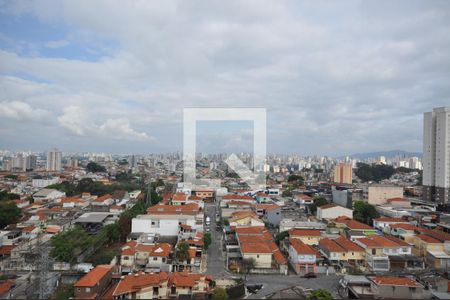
{"x":387,"y":154}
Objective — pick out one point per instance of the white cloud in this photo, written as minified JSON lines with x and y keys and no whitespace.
{"x":80,"y":122}
{"x":21,"y":111}
{"x":334,"y":77}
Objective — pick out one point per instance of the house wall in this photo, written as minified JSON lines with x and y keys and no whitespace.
{"x":98,"y":288}
{"x":397,"y":292}
{"x":334,"y":212}
{"x":309,"y":240}
{"x":379,"y":194}
{"x":263,"y":260}
{"x":166,"y":227}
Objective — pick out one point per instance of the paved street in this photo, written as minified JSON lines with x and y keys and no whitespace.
{"x":273,"y":283}
{"x":216,"y":264}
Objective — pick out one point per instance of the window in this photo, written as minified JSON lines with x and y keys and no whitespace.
{"x":88,"y":290}
{"x":155,"y":258}
{"x":374,"y":251}
{"x":257,"y":255}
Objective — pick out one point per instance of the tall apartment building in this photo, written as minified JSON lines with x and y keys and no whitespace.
{"x":436,"y":156}
{"x":343,"y":173}
{"x":31,"y":162}
{"x":54,"y":158}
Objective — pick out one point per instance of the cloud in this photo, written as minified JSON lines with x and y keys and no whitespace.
{"x":78,"y":121}
{"x":21,"y":111}
{"x":335,"y":78}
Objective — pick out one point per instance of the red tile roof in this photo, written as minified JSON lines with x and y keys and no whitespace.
{"x":94,"y":276}
{"x":304,"y":232}
{"x":237,"y":197}
{"x":279,"y":257}
{"x":179,"y":197}
{"x":301,"y":248}
{"x":397,"y":200}
{"x":6,"y":250}
{"x":103,"y":198}
{"x":188,"y":209}
{"x":399,"y":281}
{"x":331,"y":245}
{"x":397,"y":241}
{"x":387,"y":219}
{"x":428,"y":239}
{"x":135,"y":282}
{"x":353,"y":224}
{"x":348,"y":245}
{"x":329,"y":205}
{"x":256,"y":247}
{"x":6,"y":286}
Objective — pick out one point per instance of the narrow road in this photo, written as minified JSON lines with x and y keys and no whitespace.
{"x":216,"y":264}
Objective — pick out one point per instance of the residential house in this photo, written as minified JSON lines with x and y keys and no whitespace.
{"x":354,"y":229}
{"x":163,"y":285}
{"x":382,"y":223}
{"x":379,"y":249}
{"x":257,"y":243}
{"x":389,"y":287}
{"x":355,"y":255}
{"x":105,"y":200}
{"x":120,"y":197}
{"x":263,"y":198}
{"x":401,"y":230}
{"x":165,"y":219}
{"x":424,"y":243}
{"x":93,"y":284}
{"x":269,"y":212}
{"x":205,"y":194}
{"x":48,"y":195}
{"x":332,"y":211}
{"x":245,"y":218}
{"x":302,"y":257}
{"x":332,"y":251}
{"x":307,"y":236}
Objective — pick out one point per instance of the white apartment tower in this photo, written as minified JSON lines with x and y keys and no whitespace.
{"x":54,"y":158}
{"x":436,"y":156}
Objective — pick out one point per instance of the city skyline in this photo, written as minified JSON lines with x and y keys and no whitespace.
{"x":332,"y":86}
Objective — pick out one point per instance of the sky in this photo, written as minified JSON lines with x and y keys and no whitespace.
{"x":336,"y":77}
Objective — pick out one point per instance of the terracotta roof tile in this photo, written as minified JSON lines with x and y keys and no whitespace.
{"x":94,"y":276}
{"x":301,"y":247}
{"x":348,"y":245}
{"x":188,"y":209}
{"x":331,"y":245}
{"x":399,"y":281}
{"x":304,"y":232}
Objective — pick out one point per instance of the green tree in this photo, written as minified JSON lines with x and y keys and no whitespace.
{"x":364,"y":212}
{"x":9,"y":213}
{"x":219,"y":294}
{"x":207,"y":240}
{"x":182,"y":251}
{"x":317,"y":201}
{"x":5,"y":196}
{"x":248,"y":264}
{"x":287,"y":192}
{"x":320,"y":294}
{"x":281,"y":236}
{"x":95,"y":167}
{"x":373,"y":172}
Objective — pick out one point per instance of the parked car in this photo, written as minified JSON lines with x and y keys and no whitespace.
{"x":310,"y":275}
{"x":254,"y":288}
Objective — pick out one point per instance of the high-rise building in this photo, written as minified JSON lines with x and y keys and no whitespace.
{"x":436,"y":156}
{"x":343,"y":173}
{"x":54,"y":158}
{"x":31,"y":162}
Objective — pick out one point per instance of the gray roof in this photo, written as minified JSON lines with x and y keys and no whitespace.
{"x":93,"y":217}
